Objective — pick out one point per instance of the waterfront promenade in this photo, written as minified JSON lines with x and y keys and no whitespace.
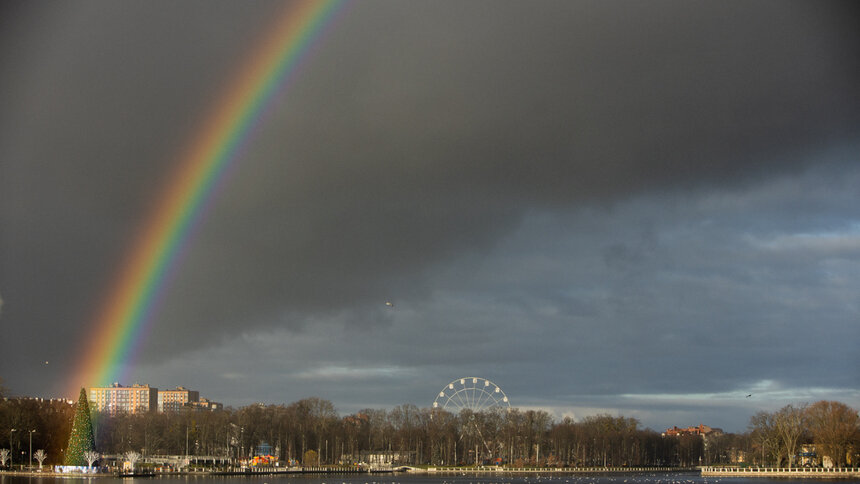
{"x":707,"y":471}
{"x":545,"y":470}
{"x":243,"y":471}
{"x":795,"y":472}
{"x":250,"y":471}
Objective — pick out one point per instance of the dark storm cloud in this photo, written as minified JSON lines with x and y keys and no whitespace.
{"x":99,"y":98}
{"x":439,"y":129}
{"x":727,"y":293}
{"x":417,"y":140}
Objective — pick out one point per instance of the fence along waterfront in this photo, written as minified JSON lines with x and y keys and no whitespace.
{"x":811,"y":472}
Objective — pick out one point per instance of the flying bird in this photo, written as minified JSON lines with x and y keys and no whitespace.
{"x":749,"y":395}
{"x":389,"y":304}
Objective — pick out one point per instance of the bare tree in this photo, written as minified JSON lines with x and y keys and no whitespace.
{"x":4,"y":456}
{"x":40,"y":456}
{"x":835,"y":427}
{"x":764,"y":436}
{"x":91,"y":456}
{"x":790,"y":422}
{"x":132,"y":457}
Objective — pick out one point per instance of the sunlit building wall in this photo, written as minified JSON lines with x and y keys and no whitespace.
{"x":171,"y":401}
{"x":117,"y":399}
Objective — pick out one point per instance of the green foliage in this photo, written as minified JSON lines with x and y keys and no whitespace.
{"x":81,"y":439}
{"x":311,"y":458}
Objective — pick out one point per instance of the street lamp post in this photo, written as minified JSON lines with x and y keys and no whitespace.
{"x":31,"y":447}
{"x":11,"y":451}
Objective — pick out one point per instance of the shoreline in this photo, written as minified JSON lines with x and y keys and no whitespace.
{"x":706,"y":471}
{"x":483,"y":470}
{"x":548,"y":470}
{"x":202,"y":473}
{"x":795,"y":472}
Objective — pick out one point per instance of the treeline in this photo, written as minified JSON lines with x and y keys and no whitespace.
{"x":49,"y":420}
{"x":833,"y":427}
{"x":410,"y":435}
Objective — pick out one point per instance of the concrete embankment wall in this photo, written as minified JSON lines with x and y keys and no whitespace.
{"x":302,"y":470}
{"x":797,"y":472}
{"x":549,"y":470}
{"x":245,"y":471}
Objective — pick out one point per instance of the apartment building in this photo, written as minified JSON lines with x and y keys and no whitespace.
{"x":119,"y":399}
{"x":177,"y":399}
{"x":206,"y":404}
{"x":702,"y":430}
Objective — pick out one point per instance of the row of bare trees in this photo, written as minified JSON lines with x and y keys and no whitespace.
{"x":408,"y":434}
{"x":40,"y":425}
{"x":833,"y":427}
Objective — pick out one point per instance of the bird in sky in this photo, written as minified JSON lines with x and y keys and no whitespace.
{"x":389,"y":304}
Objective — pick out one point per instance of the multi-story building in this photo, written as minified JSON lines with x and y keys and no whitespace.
{"x":144,"y":398}
{"x":119,"y":399}
{"x":702,"y":430}
{"x":206,"y":404}
{"x":175,"y":400}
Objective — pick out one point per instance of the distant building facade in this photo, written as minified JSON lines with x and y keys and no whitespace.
{"x":808,"y":457}
{"x":206,"y":404}
{"x":117,"y":399}
{"x":702,"y":430}
{"x":137,"y":398}
{"x":171,"y":401}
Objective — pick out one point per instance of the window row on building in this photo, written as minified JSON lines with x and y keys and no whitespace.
{"x":144,"y":398}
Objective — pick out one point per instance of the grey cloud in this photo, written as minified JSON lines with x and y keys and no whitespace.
{"x":575,"y":176}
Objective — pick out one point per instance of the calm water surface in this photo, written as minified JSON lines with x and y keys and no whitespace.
{"x":427,"y":479}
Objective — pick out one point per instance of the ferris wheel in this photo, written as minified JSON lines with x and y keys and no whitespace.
{"x":475,"y":394}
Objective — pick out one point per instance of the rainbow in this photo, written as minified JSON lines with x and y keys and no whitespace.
{"x":134,"y":295}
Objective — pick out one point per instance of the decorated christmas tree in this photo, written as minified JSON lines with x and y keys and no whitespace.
{"x":81,"y":439}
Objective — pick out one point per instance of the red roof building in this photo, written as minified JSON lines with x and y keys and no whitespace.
{"x":702,"y":430}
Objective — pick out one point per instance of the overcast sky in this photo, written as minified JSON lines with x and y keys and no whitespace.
{"x":648,"y":209}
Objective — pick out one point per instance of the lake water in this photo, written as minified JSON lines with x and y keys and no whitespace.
{"x":669,"y":478}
